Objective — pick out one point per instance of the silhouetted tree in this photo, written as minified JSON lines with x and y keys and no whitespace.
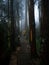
{"x":45,"y":30}
{"x":32,"y":28}
{"x":12,"y":25}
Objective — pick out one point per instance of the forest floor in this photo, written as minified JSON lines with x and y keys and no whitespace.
{"x":17,"y":58}
{"x":22,"y":55}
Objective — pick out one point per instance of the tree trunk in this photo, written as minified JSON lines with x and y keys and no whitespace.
{"x":32,"y":28}
{"x":12,"y":25}
{"x":45,"y":30}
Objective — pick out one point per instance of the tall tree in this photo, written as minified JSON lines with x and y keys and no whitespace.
{"x":45,"y":30}
{"x":12,"y":25}
{"x":32,"y":28}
